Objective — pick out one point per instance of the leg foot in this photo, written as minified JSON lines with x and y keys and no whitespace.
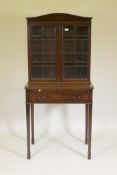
{"x":33,"y":141}
{"x":89,"y":156}
{"x":86,"y":141}
{"x":28,"y":155}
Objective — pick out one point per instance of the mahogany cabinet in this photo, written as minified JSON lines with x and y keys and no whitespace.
{"x":59,"y":57}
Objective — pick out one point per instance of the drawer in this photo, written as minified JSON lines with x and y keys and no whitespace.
{"x":48,"y":96}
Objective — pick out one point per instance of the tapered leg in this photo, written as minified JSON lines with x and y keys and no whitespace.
{"x":32,"y":122}
{"x":28,"y":129}
{"x":86,"y":122}
{"x":89,"y":130}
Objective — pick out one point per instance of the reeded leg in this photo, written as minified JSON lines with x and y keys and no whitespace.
{"x":86,"y":122}
{"x":28,"y":129}
{"x":89,"y":130}
{"x":32,"y":122}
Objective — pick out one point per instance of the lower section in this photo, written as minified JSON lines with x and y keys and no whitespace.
{"x":58,"y":96}
{"x":77,"y":94}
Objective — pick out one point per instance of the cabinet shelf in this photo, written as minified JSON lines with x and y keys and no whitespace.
{"x":74,"y":53}
{"x":75,"y":66}
{"x":72,"y":61}
{"x":43,"y":62}
{"x":42,"y":39}
{"x":43,"y":65}
{"x":75,"y":39}
{"x":44,"y":53}
{"x":76,"y":36}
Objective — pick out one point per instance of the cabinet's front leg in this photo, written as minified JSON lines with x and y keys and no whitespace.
{"x":28,"y":129}
{"x":86,"y":122}
{"x":32,"y":122}
{"x":89,"y":130}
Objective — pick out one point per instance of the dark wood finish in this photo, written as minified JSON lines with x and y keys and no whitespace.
{"x":59,"y":49}
{"x":86,"y":122}
{"x":59,"y":17}
{"x":32,"y":122}
{"x":89,"y":130}
{"x":28,"y":129}
{"x":60,"y":96}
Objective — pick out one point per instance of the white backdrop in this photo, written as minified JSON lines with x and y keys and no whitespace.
{"x":59,"y":129}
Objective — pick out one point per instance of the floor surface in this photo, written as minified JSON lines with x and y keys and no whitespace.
{"x":59,"y":152}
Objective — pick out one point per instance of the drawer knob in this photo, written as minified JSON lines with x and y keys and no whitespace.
{"x":76,"y":98}
{"x":42,"y":98}
{"x":39,"y":90}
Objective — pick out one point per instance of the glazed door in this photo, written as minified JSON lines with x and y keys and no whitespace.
{"x":75,"y":49}
{"x":42,"y":48}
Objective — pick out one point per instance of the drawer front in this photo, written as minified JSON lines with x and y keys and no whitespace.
{"x":37,"y":96}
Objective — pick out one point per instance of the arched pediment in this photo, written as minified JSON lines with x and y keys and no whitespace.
{"x":59,"y":17}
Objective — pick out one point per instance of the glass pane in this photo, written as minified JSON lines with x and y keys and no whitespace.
{"x":40,"y":46}
{"x":75,"y":59}
{"x":82,"y":32}
{"x":69,"y":46}
{"x":82,"y":57}
{"x":49,"y":32}
{"x":82,"y":46}
{"x":43,"y":71}
{"x":43,"y":59}
{"x":68,"y":32}
{"x":74,"y":72}
{"x":43,"y":32}
{"x":36,"y":31}
{"x":75,"y":52}
{"x":68,"y":72}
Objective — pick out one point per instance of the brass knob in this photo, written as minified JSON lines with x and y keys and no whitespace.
{"x":76,"y":98}
{"x":42,"y":98}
